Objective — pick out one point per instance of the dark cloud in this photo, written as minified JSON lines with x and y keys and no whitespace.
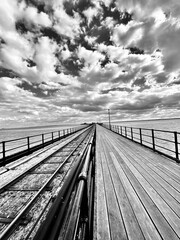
{"x":2,"y":41}
{"x":30,"y":62}
{"x":69,"y":7}
{"x":171,"y":101}
{"x":135,"y":50}
{"x":77,"y":6}
{"x":40,"y":5}
{"x":102,"y":34}
{"x":8,"y":73}
{"x":52,"y":34}
{"x":126,"y":77}
{"x":142,"y":103}
{"x":120,"y":89}
{"x":105,"y":61}
{"x":175,"y":82}
{"x":82,"y":5}
{"x":115,"y":14}
{"x":21,"y":26}
{"x":161,"y":77}
{"x":141,"y":82}
{"x":37,"y":89}
{"x":72,"y":65}
{"x":88,"y":108}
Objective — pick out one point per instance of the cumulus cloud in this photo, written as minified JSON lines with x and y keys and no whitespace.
{"x":71,"y":60}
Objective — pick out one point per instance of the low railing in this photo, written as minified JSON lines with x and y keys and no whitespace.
{"x":13,"y":149}
{"x":162,"y":141}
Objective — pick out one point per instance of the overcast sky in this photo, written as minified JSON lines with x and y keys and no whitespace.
{"x":69,"y":61}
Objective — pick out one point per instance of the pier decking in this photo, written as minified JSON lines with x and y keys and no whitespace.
{"x":137,"y":192}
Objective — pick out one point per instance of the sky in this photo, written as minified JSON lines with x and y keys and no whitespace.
{"x":65,"y":61}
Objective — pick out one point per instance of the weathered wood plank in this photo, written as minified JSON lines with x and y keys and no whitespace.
{"x":115,"y":218}
{"x":131,"y":224}
{"x":102,"y":228}
{"x":158,"y":219}
{"x":154,"y":193}
{"x":148,"y":228}
{"x":146,"y":186}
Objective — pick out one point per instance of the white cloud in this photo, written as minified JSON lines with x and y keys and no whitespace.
{"x":90,"y":13}
{"x":66,"y":25}
{"x":91,"y":57}
{"x":31,"y":14}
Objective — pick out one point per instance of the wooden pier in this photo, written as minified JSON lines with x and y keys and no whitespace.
{"x":94,"y":184}
{"x":137,"y":194}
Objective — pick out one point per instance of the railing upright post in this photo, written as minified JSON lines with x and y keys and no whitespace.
{"x":125,"y":132}
{"x":140,"y":135}
{"x":153,"y":140}
{"x":121,"y":130}
{"x":43,"y":140}
{"x":63,"y":132}
{"x":176,"y":147}
{"x":28,"y":144}
{"x":4,"y":150}
{"x":59,"y":134}
{"x":52,"y":137}
{"x":131,"y":133}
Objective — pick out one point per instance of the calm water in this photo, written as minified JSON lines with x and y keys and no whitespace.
{"x":166,"y":124}
{"x":8,"y":134}
{"x":165,"y":141}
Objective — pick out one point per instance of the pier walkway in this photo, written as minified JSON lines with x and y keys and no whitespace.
{"x":137,"y":193}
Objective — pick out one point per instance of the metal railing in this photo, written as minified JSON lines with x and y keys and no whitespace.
{"x":13,"y":149}
{"x":71,"y":214}
{"x":161,"y":141}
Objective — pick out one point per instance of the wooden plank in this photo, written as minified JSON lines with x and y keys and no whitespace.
{"x":115,"y":218}
{"x":148,"y":228}
{"x":158,"y":219}
{"x":162,"y":225}
{"x":131,"y":224}
{"x":148,"y":182}
{"x":171,"y":169}
{"x":171,"y":186}
{"x":102,"y":228}
{"x":169,"y":214}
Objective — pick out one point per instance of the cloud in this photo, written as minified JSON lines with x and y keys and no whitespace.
{"x":71,"y":60}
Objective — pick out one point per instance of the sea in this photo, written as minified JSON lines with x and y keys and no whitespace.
{"x":7,"y":134}
{"x":163,"y":131}
{"x":172,"y":124}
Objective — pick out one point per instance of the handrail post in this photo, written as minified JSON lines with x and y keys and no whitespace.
{"x":140,"y":135}
{"x":121,"y":130}
{"x":28,"y":143}
{"x":63,"y":132}
{"x":153,"y":140}
{"x":59,"y":134}
{"x":176,"y":147}
{"x":125,"y":132}
{"x":52,"y":137}
{"x":43,"y":140}
{"x":4,"y":150}
{"x":131,"y":133}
